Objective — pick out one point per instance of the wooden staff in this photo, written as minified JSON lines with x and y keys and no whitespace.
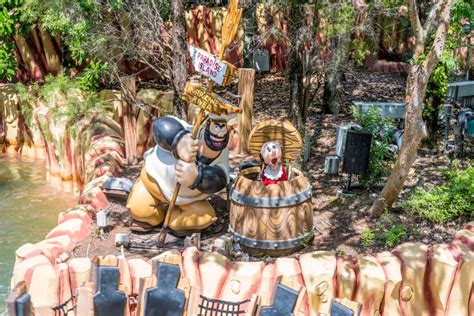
{"x":231,"y":23}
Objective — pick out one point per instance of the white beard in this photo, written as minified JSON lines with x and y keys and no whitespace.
{"x":273,"y":175}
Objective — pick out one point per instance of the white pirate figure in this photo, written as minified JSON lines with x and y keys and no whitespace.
{"x":200,"y":165}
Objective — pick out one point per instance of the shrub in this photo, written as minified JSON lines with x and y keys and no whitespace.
{"x":367,"y":237}
{"x":394,"y":235}
{"x":380,"y":155}
{"x":444,"y":203}
{"x":385,"y":235}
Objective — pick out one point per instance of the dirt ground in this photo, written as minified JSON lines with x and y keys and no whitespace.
{"x":339,"y":223}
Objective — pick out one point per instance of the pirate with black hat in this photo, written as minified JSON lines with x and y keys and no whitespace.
{"x":200,"y":165}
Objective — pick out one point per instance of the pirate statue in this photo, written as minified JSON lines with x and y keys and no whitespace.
{"x":200,"y":165}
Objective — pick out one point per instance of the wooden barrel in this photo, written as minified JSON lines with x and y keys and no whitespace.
{"x":275,"y":220}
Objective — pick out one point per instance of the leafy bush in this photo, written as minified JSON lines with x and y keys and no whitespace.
{"x":7,"y":61}
{"x":92,"y":76}
{"x":386,"y":233}
{"x":393,"y":236}
{"x":380,"y":154}
{"x":444,"y":203}
{"x":367,"y":237}
{"x":27,"y":97}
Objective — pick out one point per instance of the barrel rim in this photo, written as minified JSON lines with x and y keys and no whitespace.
{"x":265,"y":202}
{"x":270,"y":244}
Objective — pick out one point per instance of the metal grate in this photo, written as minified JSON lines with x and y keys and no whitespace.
{"x":212,"y":307}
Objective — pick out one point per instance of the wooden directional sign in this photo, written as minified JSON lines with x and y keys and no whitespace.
{"x":211,"y":102}
{"x":209,"y":65}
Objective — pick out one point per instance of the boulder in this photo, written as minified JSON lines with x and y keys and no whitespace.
{"x":139,"y":269}
{"x":213,"y":268}
{"x":242,"y":281}
{"x":413,"y":257}
{"x":44,"y":287}
{"x":345,"y":278}
{"x":79,"y":272}
{"x":440,"y":274}
{"x":393,"y":281}
{"x":191,"y":266}
{"x":318,"y":269}
{"x":370,"y":285}
{"x":75,"y":228}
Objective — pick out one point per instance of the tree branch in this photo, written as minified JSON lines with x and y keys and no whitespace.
{"x":432,"y":20}
{"x":440,"y":39}
{"x":417,"y":28}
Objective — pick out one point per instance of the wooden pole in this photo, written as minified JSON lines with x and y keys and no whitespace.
{"x":246,"y":87}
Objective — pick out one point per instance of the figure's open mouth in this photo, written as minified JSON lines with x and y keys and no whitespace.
{"x":274,"y":161}
{"x":217,"y":141}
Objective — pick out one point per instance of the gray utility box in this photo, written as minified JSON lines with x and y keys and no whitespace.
{"x":461,"y":89}
{"x":331,"y":165}
{"x":391,"y":110}
{"x":261,"y":60}
{"x":341,"y":135}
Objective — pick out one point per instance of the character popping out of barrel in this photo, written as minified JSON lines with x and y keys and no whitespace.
{"x":200,"y":165}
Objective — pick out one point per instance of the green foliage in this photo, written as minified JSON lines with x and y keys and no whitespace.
{"x":91,"y":78}
{"x":386,"y":233}
{"x":307,"y":239}
{"x":66,"y":99}
{"x":393,"y":236}
{"x":392,"y":3}
{"x":27,"y":97}
{"x":438,"y":84}
{"x":461,"y":9}
{"x":367,"y":238}
{"x":380,"y":155}
{"x":8,"y":27}
{"x":359,"y":50}
{"x":446,"y":202}
{"x":7,"y":61}
{"x":339,"y":18}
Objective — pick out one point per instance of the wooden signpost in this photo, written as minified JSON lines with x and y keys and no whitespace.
{"x":211,"y":102}
{"x":206,"y":100}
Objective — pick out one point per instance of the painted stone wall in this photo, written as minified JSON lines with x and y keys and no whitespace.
{"x":79,"y":150}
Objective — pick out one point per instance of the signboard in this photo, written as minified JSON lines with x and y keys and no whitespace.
{"x":208,"y":101}
{"x":207,"y":64}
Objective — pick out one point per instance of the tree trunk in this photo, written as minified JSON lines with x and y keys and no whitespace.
{"x":332,"y":77}
{"x":179,"y":57}
{"x":432,"y":122}
{"x":295,"y":66}
{"x":250,"y":28}
{"x":414,"y":132}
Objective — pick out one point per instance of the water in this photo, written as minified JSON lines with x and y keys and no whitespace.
{"x":29,"y":209}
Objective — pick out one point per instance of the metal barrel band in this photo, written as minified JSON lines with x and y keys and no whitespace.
{"x":269,"y":244}
{"x":284,"y":201}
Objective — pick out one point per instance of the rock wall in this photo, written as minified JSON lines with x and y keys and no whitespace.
{"x":77,"y":151}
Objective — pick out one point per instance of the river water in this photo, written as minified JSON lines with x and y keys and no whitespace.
{"x":29,"y":209}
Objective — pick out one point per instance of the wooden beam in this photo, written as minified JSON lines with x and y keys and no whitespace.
{"x":246,"y":87}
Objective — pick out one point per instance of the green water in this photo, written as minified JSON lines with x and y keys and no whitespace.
{"x":29,"y":209}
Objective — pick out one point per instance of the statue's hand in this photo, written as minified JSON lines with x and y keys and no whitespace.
{"x":187,"y":148}
{"x":186,"y":173}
